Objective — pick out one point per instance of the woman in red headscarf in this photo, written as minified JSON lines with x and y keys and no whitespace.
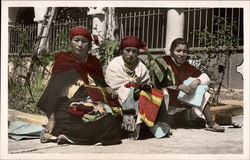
{"x":73,"y":116}
{"x":128,"y":76}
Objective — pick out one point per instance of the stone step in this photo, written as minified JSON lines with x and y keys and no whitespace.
{"x":15,"y":115}
{"x":223,"y":114}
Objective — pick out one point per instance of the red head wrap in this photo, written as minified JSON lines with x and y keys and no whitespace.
{"x":79,"y":30}
{"x":131,"y":41}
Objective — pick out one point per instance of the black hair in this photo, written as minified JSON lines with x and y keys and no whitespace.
{"x":176,"y":42}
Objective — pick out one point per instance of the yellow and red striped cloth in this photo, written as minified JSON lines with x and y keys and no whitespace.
{"x":149,"y":104}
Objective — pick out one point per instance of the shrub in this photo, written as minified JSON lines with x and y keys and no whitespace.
{"x":214,"y":54}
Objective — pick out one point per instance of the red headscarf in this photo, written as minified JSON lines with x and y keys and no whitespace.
{"x":131,"y":41}
{"x":79,"y":30}
{"x":66,"y":60}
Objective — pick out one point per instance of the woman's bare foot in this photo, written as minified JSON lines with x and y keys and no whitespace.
{"x":47,"y":137}
{"x":215,"y":128}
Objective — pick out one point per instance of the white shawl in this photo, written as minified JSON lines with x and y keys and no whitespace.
{"x":116,"y":77}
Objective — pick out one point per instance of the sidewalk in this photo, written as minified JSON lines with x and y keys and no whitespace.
{"x":192,"y":142}
{"x":183,"y":141}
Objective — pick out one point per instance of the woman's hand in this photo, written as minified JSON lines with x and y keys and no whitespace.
{"x":111,"y":92}
{"x":186,"y":89}
{"x":137,"y":93}
{"x":194,"y":84}
{"x":99,"y":108}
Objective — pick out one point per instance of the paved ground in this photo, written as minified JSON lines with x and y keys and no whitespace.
{"x":192,"y":142}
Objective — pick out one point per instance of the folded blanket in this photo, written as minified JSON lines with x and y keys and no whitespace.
{"x":19,"y":130}
{"x":196,"y":98}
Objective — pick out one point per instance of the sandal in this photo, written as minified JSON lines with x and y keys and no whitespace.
{"x":215,"y":128}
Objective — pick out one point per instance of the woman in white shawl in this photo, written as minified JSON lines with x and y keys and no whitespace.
{"x":129,"y":69}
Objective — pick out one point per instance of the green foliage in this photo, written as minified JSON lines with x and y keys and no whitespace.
{"x":66,"y":13}
{"x":26,"y":44}
{"x":22,"y":48}
{"x":61,"y":42}
{"x":214,"y":55}
{"x":19,"y":97}
{"x":161,"y":74}
{"x":44,"y":59}
{"x":23,"y":93}
{"x":108,"y":49}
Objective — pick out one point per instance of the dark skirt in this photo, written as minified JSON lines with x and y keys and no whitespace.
{"x":106,"y":130}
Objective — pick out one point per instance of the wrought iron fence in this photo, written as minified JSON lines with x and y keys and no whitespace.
{"x":59,"y":30}
{"x":196,"y":19}
{"x":149,"y":24}
{"x":22,"y":38}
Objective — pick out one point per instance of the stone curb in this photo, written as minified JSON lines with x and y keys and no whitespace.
{"x":222,"y":114}
{"x":14,"y":115}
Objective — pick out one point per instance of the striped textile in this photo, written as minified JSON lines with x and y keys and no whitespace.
{"x":97,"y":93}
{"x":149,"y":104}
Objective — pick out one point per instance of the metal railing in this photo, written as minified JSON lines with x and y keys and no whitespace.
{"x":22,"y":38}
{"x":59,"y":31}
{"x":146,"y":23}
{"x":149,"y":24}
{"x":196,"y":19}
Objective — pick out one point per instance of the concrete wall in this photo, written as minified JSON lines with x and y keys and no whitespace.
{"x":12,"y":15}
{"x":234,"y":78}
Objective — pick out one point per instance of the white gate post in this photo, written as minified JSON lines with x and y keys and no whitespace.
{"x":39,"y":16}
{"x":175,"y":27}
{"x":98,"y":22}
